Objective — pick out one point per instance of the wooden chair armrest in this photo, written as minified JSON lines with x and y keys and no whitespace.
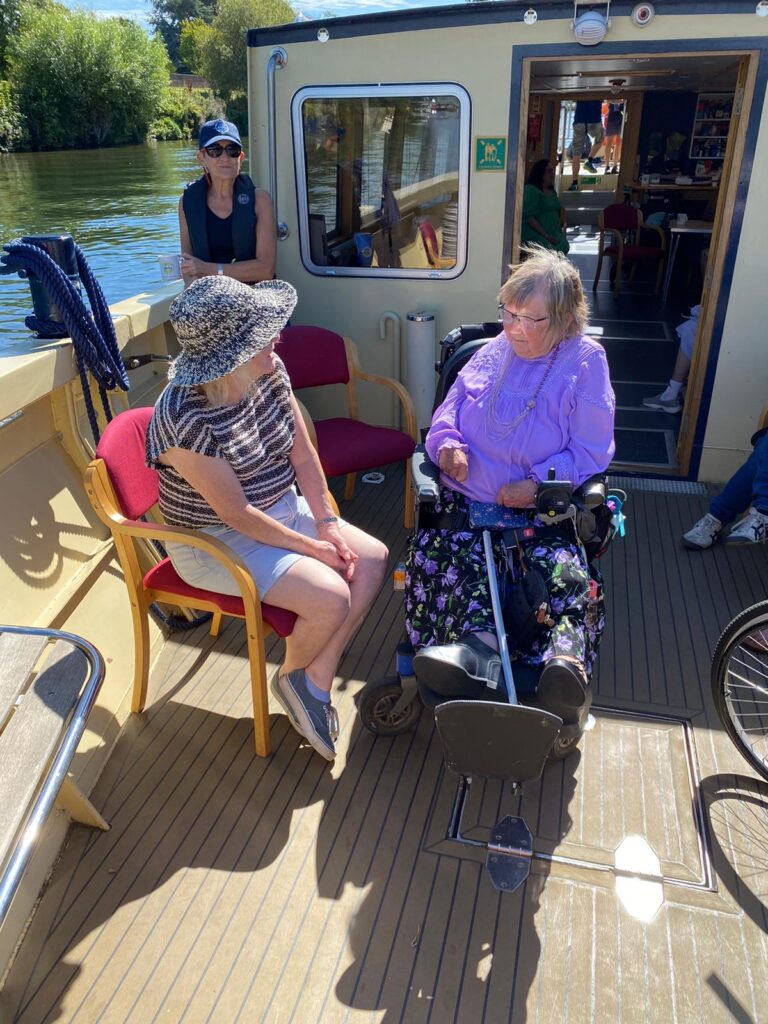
{"x":659,"y":231}
{"x":617,"y":235}
{"x":762,"y":423}
{"x":119,"y":524}
{"x":402,"y":393}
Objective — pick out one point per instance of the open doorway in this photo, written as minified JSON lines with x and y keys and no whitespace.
{"x":644,"y":151}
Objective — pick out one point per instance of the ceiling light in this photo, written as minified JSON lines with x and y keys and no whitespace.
{"x":530,"y":17}
{"x":616,"y":85}
{"x":323,"y":35}
{"x":590,"y":27}
{"x":762,"y":9}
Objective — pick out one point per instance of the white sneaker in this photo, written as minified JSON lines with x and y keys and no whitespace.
{"x":703,"y":534}
{"x":662,"y":404}
{"x":752,"y":529}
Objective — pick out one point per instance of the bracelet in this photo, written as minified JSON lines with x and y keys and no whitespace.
{"x":326,"y":521}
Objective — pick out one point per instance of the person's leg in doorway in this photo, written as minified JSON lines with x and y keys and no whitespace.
{"x":670,"y":399}
{"x":577,"y":144}
{"x":596,"y":135}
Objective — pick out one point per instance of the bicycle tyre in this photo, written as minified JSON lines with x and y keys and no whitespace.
{"x":742,"y":665}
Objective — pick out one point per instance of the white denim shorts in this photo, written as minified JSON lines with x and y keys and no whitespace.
{"x":265,"y":562}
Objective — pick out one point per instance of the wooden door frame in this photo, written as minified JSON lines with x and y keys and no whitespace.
{"x":749,"y":51}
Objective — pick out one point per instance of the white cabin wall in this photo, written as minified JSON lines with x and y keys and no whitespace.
{"x":479,"y":59}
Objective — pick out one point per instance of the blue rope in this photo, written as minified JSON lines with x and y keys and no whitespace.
{"x":92,"y":332}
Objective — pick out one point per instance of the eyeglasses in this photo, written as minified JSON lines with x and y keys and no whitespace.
{"x":526,"y":322}
{"x":231,"y":149}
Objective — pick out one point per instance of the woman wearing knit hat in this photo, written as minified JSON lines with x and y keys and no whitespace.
{"x":229,"y":443}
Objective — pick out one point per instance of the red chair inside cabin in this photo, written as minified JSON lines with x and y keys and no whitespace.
{"x":621,"y":226}
{"x":122,"y":489}
{"x":315,"y":357}
{"x":432,"y":249}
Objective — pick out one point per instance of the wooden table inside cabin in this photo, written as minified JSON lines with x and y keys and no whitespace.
{"x":691,"y":227}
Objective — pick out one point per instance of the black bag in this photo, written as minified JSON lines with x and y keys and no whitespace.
{"x":525,"y":609}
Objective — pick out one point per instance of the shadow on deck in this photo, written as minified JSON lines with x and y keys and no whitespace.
{"x":233,"y":889}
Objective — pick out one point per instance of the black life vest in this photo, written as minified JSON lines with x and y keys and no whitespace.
{"x":243,"y":218}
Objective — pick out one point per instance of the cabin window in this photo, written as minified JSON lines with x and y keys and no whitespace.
{"x":383,"y":179}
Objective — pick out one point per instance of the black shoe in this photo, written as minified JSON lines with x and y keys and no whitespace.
{"x":462,"y":670}
{"x":564,"y":690}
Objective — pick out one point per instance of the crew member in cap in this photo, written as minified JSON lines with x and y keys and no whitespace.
{"x":227,"y":225}
{"x":229,"y":443}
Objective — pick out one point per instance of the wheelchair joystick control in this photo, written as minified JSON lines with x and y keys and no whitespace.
{"x":553,"y":498}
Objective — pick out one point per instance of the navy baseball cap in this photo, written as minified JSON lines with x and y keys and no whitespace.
{"x":217,"y":131}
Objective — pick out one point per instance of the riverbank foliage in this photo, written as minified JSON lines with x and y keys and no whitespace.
{"x":219,"y":47}
{"x":13,"y":134}
{"x":181,"y":111}
{"x":82,"y":81}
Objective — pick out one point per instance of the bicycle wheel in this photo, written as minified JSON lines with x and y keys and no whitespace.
{"x":740,"y":684}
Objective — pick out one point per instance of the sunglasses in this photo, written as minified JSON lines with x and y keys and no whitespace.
{"x":231,"y":149}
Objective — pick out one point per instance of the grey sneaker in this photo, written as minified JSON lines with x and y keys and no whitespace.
{"x":752,"y":529}
{"x":704,"y":533}
{"x":316,"y":720}
{"x":662,"y":404}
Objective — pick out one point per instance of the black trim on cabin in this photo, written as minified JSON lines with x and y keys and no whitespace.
{"x":741,"y":45}
{"x":461,"y":15}
{"x":373,"y":86}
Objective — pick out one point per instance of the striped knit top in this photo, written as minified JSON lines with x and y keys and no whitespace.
{"x":255,"y":436}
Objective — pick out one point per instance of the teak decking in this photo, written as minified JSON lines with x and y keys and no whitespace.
{"x":232,"y":889}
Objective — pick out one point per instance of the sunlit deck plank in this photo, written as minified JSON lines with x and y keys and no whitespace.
{"x":237,"y":889}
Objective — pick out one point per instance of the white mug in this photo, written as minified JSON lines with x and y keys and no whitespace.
{"x":682,"y":218}
{"x":170,"y":267}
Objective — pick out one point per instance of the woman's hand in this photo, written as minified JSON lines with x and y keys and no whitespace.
{"x":192,"y":268}
{"x":330,"y":533}
{"x":454,"y":463}
{"x":518,"y":495}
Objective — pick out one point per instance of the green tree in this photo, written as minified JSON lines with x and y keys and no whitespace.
{"x":82,"y":81}
{"x":192,"y":43}
{"x":223,"y":50}
{"x":169,"y":15}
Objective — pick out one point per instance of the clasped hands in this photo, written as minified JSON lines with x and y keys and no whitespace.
{"x":334,"y":551}
{"x":454,"y":462}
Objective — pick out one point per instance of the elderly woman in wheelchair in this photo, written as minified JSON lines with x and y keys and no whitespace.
{"x":532,"y":404}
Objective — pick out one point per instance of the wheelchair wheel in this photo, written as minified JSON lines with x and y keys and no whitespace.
{"x":564,"y":744}
{"x":740,"y":684}
{"x":377,"y":703}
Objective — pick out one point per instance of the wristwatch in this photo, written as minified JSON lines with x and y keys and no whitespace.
{"x":220,"y":269}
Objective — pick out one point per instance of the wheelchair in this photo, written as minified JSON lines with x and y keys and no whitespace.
{"x":498,"y":735}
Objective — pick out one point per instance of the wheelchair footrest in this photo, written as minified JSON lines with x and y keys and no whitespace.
{"x":496,"y":741}
{"x":510,"y":852}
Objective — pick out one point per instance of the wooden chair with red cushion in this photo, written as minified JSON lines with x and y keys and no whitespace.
{"x":614,"y":222}
{"x":122,"y":490}
{"x":315,"y":357}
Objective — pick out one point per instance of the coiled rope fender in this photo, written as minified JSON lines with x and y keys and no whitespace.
{"x":92,"y":332}
{"x":94,"y":342}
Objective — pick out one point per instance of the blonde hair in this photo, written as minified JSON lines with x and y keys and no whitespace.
{"x":217,"y":391}
{"x":550,"y":275}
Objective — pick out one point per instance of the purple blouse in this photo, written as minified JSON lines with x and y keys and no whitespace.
{"x":570,"y":426}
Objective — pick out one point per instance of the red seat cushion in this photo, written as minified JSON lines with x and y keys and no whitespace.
{"x":164,"y":577}
{"x":346,"y":446}
{"x":637,"y":252}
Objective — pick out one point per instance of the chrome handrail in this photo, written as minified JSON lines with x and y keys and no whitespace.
{"x":32,"y":826}
{"x":277,"y":59}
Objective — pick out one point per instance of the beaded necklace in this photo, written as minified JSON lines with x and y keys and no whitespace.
{"x":499,"y":428}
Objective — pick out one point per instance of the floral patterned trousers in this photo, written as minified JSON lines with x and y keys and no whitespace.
{"x":447,"y":594}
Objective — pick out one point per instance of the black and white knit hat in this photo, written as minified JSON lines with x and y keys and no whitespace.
{"x":222,"y":323}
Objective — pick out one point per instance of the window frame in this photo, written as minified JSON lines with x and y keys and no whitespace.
{"x":373,"y":91}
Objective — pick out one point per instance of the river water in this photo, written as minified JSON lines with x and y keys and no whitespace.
{"x":118,"y":204}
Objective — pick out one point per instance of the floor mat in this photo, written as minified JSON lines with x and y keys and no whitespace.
{"x":649,"y":447}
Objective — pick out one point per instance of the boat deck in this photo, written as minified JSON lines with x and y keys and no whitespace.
{"x":234,"y":889}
